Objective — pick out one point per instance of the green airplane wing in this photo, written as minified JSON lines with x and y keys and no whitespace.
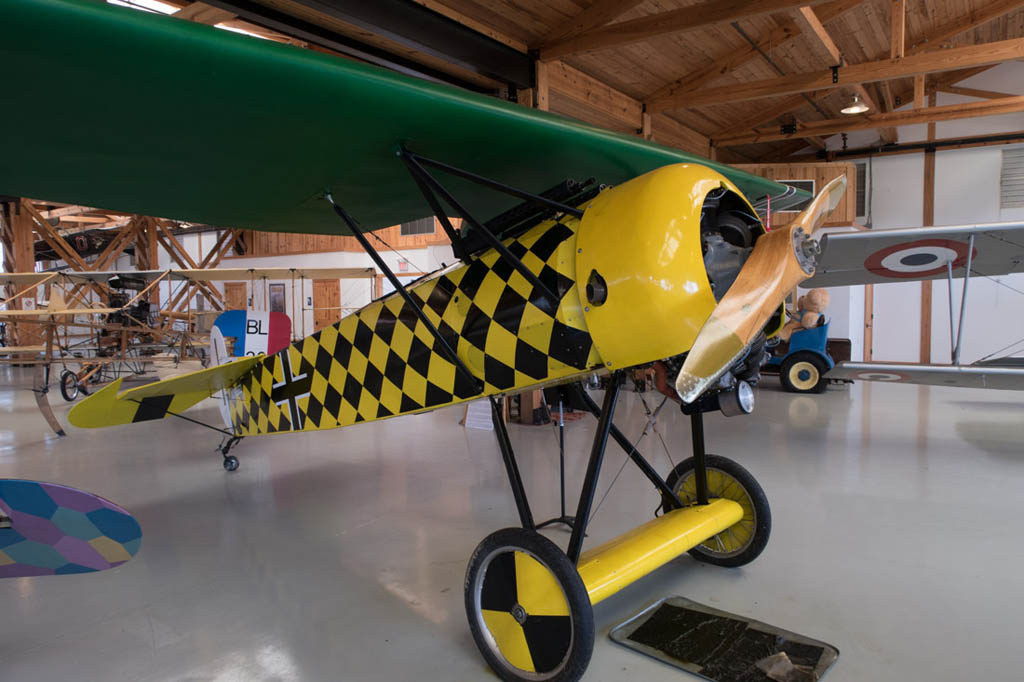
{"x":127,"y":110}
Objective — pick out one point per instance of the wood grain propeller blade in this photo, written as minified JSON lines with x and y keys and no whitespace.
{"x":780,"y":261}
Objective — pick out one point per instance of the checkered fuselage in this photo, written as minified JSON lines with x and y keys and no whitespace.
{"x":382,"y":361}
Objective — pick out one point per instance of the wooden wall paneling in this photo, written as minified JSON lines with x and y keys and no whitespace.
{"x":822,"y":173}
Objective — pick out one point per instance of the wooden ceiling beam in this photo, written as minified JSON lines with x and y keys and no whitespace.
{"x":785,"y":31}
{"x":967,"y":22}
{"x":898,"y":29}
{"x":201,"y":13}
{"x":813,"y":24}
{"x":1008,"y":105}
{"x":972,"y":92}
{"x":673,"y":21}
{"x":595,"y":16}
{"x":886,"y":69}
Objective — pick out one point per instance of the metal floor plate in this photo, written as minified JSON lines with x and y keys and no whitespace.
{"x":723,"y":647}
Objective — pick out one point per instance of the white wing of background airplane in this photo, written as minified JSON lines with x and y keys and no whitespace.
{"x":886,"y":256}
{"x":917,"y":253}
{"x":1005,"y":374}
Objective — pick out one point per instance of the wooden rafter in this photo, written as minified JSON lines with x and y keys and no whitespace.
{"x":595,"y":16}
{"x":673,"y":21}
{"x":931,"y":39}
{"x":924,"y":63}
{"x":733,"y":59}
{"x":898,"y":29}
{"x":814,"y":25}
{"x":968,"y":22}
{"x":1008,"y":105}
{"x":973,"y":92}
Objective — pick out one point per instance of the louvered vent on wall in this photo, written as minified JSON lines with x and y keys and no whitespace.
{"x":1011,"y":179}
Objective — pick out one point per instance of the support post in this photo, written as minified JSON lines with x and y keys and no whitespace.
{"x":700,"y":471}
{"x":604,"y":425}
{"x":645,"y":467}
{"x":508,"y":456}
{"x":460,"y":367}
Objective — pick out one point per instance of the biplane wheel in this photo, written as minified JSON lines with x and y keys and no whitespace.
{"x":803,"y":372}
{"x":69,"y":385}
{"x":743,"y":542}
{"x":230,"y":463}
{"x":528,"y":609}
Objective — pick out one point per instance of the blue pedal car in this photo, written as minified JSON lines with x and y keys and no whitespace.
{"x":803,"y":365}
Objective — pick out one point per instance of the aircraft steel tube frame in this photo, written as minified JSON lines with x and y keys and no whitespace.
{"x":508,"y":456}
{"x":417,"y":173}
{"x":494,"y":184}
{"x":634,"y":454}
{"x":406,"y":296}
{"x":700,"y":471}
{"x":412,"y":161}
{"x":562,"y":518}
{"x":604,"y":426}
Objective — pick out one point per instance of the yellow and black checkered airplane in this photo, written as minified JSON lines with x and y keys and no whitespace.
{"x":638,"y":239}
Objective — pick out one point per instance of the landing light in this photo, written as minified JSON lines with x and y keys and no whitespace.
{"x":737,"y":401}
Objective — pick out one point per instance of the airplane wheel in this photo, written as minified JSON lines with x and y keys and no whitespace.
{"x":528,"y":609}
{"x":743,"y":542}
{"x":230,"y":463}
{"x":69,"y":385}
{"x":803,"y":372}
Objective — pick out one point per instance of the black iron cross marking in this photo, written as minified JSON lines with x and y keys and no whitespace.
{"x":290,"y":390}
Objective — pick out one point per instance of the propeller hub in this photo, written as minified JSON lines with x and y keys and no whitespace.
{"x":806,"y":250}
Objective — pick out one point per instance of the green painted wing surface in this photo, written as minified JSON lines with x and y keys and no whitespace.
{"x":127,"y":110}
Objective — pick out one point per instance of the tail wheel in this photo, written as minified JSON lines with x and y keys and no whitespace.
{"x":803,"y":372}
{"x":528,"y":609}
{"x":746,"y":539}
{"x":69,"y":385}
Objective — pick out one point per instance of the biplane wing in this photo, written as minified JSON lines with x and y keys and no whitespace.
{"x":284,"y":125}
{"x":1007,"y":376}
{"x":918,"y":253}
{"x":161,"y":399}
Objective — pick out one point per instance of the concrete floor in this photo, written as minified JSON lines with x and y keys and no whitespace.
{"x":341,"y":555}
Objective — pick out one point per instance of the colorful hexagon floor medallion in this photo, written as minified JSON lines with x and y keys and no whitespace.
{"x":51,"y":529}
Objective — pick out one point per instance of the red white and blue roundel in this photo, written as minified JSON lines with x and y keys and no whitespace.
{"x":918,"y":259}
{"x":254,"y":332}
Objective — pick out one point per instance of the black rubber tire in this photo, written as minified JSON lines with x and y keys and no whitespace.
{"x":762,"y":521}
{"x":791,"y":363}
{"x":69,"y":385}
{"x":230,"y":463}
{"x":573,"y":662}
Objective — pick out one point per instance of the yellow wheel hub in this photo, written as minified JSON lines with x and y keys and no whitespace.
{"x":734,"y":539}
{"x":804,"y":375}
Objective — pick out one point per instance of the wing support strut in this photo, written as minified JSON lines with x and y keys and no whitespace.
{"x":434,"y":192}
{"x":357,"y":232}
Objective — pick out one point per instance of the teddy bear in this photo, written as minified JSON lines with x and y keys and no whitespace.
{"x":809,"y":309}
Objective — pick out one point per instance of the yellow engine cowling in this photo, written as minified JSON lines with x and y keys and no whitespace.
{"x":639,"y":252}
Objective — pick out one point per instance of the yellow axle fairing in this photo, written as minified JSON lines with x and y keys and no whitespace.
{"x":610,"y":567}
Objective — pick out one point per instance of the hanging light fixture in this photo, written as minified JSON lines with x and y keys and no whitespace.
{"x":855,"y":107}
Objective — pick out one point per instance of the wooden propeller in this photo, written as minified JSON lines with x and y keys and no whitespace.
{"x":780,"y":260}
